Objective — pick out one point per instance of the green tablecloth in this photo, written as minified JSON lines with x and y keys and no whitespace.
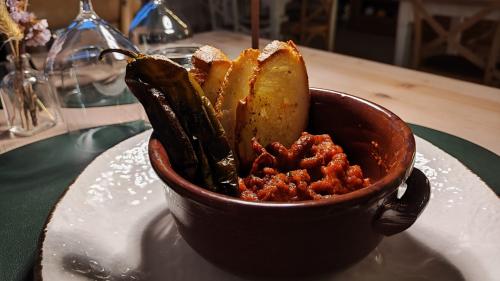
{"x":33,"y":177}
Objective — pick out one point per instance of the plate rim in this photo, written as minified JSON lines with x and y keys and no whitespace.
{"x":38,"y":268}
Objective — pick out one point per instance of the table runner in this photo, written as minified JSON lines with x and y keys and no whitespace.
{"x":53,"y":164}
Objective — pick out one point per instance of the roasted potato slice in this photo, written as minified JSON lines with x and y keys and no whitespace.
{"x":236,"y":86}
{"x":278,"y":104}
{"x":210,"y":67}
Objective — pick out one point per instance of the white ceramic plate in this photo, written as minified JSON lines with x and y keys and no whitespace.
{"x":113,"y":224}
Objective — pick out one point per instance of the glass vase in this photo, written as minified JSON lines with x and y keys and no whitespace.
{"x":27,"y":98}
{"x":91,"y":92}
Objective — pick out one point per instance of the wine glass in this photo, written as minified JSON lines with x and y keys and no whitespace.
{"x":156,"y":25}
{"x":91,"y":92}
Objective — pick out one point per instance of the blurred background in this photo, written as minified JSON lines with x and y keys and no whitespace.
{"x":456,"y":38}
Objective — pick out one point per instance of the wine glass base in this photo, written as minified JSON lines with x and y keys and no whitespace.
{"x":22,"y":132}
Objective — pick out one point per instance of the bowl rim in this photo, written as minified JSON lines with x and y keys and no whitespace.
{"x":387,"y":184}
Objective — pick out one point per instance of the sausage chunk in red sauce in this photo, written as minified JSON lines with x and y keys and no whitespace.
{"x":312,"y":168}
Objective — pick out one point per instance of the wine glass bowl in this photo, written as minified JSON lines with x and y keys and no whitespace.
{"x":156,"y":24}
{"x":82,"y":81}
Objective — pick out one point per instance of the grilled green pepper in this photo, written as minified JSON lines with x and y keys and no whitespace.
{"x":196,"y":116}
{"x":168,"y":128}
{"x":223,"y":167}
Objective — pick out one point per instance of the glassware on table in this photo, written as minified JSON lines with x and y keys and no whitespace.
{"x":181,"y":54}
{"x":91,"y":92}
{"x":28,"y":99}
{"x":155,"y":25}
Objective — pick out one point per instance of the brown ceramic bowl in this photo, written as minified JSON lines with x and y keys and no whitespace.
{"x":308,"y":237}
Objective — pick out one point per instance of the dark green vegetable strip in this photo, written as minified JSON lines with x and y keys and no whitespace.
{"x":204,"y":171}
{"x":173,"y":81}
{"x":224,"y":167}
{"x":171,"y":134}
{"x":185,"y":100}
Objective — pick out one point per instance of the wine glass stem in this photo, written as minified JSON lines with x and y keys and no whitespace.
{"x":86,"y":6}
{"x":158,"y":2}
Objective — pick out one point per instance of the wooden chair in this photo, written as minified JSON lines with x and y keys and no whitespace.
{"x":223,"y":13}
{"x":243,"y":18}
{"x":236,"y":13}
{"x":450,"y":38}
{"x":317,"y":19}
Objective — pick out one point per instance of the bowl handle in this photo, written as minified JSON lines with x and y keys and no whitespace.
{"x":396,"y":215}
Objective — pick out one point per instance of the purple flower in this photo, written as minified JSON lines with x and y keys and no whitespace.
{"x":22,"y":17}
{"x":38,"y":34}
{"x":18,"y":14}
{"x":11,"y":4}
{"x":15,"y":6}
{"x":40,"y":25}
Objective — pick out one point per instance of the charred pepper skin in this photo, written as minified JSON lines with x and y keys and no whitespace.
{"x":224,"y":163}
{"x":215,"y":160}
{"x":168,"y":128}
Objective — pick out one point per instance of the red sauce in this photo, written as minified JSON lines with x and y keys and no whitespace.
{"x":312,"y":168}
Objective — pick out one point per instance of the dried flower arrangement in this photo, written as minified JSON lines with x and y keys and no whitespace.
{"x":21,"y":28}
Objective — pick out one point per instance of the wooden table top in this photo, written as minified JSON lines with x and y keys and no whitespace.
{"x":470,"y":111}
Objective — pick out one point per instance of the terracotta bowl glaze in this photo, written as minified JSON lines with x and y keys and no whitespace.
{"x":308,"y":237}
